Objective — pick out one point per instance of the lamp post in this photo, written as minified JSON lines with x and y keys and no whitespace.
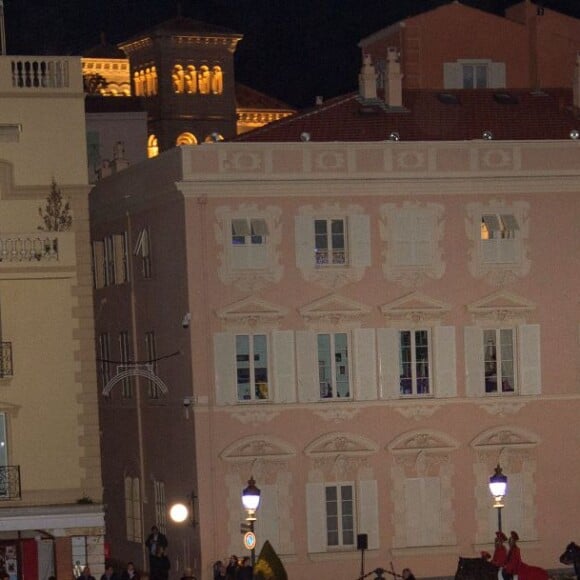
{"x":498,"y":489}
{"x":251,"y":502}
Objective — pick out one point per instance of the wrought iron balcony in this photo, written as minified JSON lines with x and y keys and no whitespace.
{"x":10,"y":482}
{"x":6,"y":370}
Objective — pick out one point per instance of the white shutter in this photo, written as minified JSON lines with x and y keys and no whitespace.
{"x":445,"y":361}
{"x":99,"y":263}
{"x":120,"y":257}
{"x":369,"y":512}
{"x":474,"y":372}
{"x":452,"y":75}
{"x":307,"y":365}
{"x":304,"y":241}
{"x":365,"y":364}
{"x":431,"y":511}
{"x":530,"y":377}
{"x":389,"y":372}
{"x":497,"y":78}
{"x":267,"y":521}
{"x":225,"y":368}
{"x":316,"y":517}
{"x":359,"y":233}
{"x":284,"y":371}
{"x":413,"y":515}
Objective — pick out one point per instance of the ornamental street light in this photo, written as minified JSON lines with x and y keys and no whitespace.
{"x":498,"y":489}
{"x":251,"y":502}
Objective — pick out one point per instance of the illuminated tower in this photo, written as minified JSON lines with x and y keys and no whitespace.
{"x":184,"y":71}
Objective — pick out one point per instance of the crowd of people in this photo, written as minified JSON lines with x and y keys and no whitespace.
{"x":235,"y":569}
{"x":509,"y":560}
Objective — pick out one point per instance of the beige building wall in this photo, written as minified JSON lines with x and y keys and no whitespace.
{"x":48,"y":396}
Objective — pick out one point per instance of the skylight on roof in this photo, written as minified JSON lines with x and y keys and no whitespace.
{"x":505,"y":98}
{"x":448,"y":98}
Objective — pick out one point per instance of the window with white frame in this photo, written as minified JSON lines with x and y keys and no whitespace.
{"x":333,"y":243}
{"x":474,"y":74}
{"x":330,"y":247}
{"x":333,"y":365}
{"x":499,"y":360}
{"x":124,"y":350}
{"x":503,"y":360}
{"x":105,"y":356}
{"x":151,"y":350}
{"x":252,"y":367}
{"x":340,"y":516}
{"x":249,"y":243}
{"x":499,"y":238}
{"x":160,"y":505}
{"x":415,"y":362}
{"x":133,"y":509}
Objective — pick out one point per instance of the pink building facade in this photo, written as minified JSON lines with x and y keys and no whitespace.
{"x":367,"y":328}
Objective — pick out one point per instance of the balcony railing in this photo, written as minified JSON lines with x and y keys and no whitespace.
{"x":10,"y":482}
{"x":28,"y":249}
{"x":6,"y":370}
{"x":40,"y":73}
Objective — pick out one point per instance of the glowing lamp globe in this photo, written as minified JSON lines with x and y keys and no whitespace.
{"x":178,"y":513}
{"x":498,"y":483}
{"x":251,"y":496}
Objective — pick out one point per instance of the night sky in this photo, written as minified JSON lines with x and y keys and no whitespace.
{"x":292,"y":49}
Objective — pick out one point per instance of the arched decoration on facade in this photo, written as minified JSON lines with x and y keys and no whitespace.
{"x":152,"y":146}
{"x":217,"y":80}
{"x":214,"y":137}
{"x":124,"y":372}
{"x":514,"y":449}
{"x":177,"y":78}
{"x":203,"y":80}
{"x":186,"y":138}
{"x":191,"y":80}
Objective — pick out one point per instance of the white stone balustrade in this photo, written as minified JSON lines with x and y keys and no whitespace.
{"x":38,"y":73}
{"x":43,"y":248}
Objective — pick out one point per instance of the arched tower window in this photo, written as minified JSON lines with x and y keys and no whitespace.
{"x":154,"y":81}
{"x":203,"y":80}
{"x":177,"y":79}
{"x":217,"y":80}
{"x":152,"y":146}
{"x":191,"y":80}
{"x":147,"y":82}
{"x":137,"y":84}
{"x":186,"y":139}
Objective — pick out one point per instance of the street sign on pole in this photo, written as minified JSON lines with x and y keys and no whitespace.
{"x":249,"y":540}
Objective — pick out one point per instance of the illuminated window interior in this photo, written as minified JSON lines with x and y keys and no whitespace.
{"x":191,"y":80}
{"x":146,"y":83}
{"x":186,"y":139}
{"x":177,"y":79}
{"x":203,"y":80}
{"x":152,"y":146}
{"x":217,"y":81}
{"x":495,"y":226}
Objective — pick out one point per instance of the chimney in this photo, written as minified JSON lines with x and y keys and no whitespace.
{"x":393,"y":79}
{"x":576,"y":86}
{"x":119,"y":161}
{"x":367,"y":79}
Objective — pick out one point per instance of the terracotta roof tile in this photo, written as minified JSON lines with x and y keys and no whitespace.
{"x":430,"y":115}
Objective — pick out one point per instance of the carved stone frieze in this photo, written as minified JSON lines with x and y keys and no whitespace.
{"x":501,"y":306}
{"x":340,"y":467}
{"x":505,"y":437}
{"x":254,"y":416}
{"x":334,"y":311}
{"x":345,"y":444}
{"x":502,"y":408}
{"x":417,"y":308}
{"x":422,"y":440}
{"x":255,"y":447}
{"x":251,"y":314}
{"x":417,"y":412}
{"x":337,"y":414}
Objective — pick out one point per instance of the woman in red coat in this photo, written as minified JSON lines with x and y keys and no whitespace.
{"x":514,"y":564}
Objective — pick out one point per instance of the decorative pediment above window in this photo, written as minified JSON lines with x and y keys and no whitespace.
{"x":417,"y":441}
{"x":334,"y":310}
{"x":251,"y":312}
{"x":415,"y":307}
{"x":263,"y":447}
{"x":501,"y":306}
{"x":339,"y":444}
{"x":498,"y":438}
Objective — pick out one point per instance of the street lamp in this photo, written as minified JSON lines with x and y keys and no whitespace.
{"x":251,"y":502}
{"x":498,"y":489}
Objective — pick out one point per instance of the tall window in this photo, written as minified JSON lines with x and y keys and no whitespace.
{"x":133,"y":509}
{"x":499,"y":357}
{"x":143,"y":249}
{"x":217,"y":80}
{"x":333,"y":371}
{"x":330,"y":242}
{"x":414,"y":362}
{"x":105,"y":356}
{"x":252,"y":367}
{"x":151,"y":349}
{"x":340,"y":515}
{"x":160,"y":505}
{"x":127,"y":385}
